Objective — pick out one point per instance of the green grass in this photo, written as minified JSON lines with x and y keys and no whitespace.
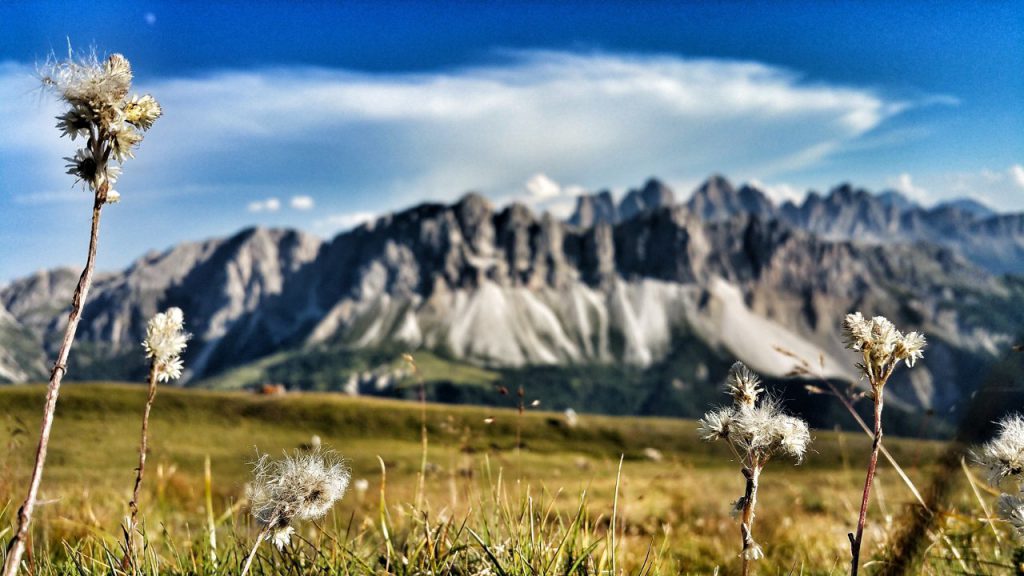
{"x":487,"y":507}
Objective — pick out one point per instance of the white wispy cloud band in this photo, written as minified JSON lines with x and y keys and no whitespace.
{"x":364,"y":143}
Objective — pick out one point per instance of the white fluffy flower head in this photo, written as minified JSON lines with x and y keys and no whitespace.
{"x":882,"y":345}
{"x":303,"y":486}
{"x":743,"y":384}
{"x":281,"y":537}
{"x":1011,"y":509}
{"x":101,"y":112}
{"x":165,"y":341}
{"x":1003,"y":456}
{"x":715,"y":424}
{"x":758,"y":429}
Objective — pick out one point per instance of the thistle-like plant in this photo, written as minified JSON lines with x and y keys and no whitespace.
{"x":165,"y":341}
{"x":882,"y":348}
{"x":1003,"y":458}
{"x":756,"y":432}
{"x":303,"y":486}
{"x":111,"y":122}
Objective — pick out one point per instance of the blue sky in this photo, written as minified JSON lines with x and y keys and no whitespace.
{"x":320,"y":115}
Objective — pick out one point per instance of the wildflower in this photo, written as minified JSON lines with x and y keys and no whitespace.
{"x":715,"y":424}
{"x":164,"y":343}
{"x":100,"y":111}
{"x":743,"y":384}
{"x":96,"y":95}
{"x":282,"y":537}
{"x":1011,"y":509}
{"x":142,"y":111}
{"x":756,"y":431}
{"x":910,"y":348}
{"x":300,"y":487}
{"x":882,"y":348}
{"x":75,"y":122}
{"x":1003,"y":456}
{"x":124,"y":138}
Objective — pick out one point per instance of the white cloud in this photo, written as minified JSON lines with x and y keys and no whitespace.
{"x":338,"y":222}
{"x":904,"y":184}
{"x":1017,"y":174}
{"x":302,"y":202}
{"x":1001,"y":189}
{"x":780,"y":192}
{"x":541,"y":187}
{"x":268,"y":205}
{"x":362,"y":142}
{"x":598,"y":120}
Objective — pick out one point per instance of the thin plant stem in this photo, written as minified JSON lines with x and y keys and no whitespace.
{"x":615,"y":515}
{"x":422,"y":480}
{"x":133,"y":504}
{"x":885,"y":452}
{"x":747,"y":520}
{"x":252,"y":553}
{"x":211,"y":525}
{"x":858,"y":539}
{"x":16,"y":547}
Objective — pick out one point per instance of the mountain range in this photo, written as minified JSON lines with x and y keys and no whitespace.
{"x":638,"y":285}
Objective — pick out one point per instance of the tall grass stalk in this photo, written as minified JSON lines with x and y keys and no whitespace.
{"x":615,"y":514}
{"x":211,"y":525}
{"x":422,"y":479}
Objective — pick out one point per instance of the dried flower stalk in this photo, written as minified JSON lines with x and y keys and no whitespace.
{"x":882,"y":348}
{"x":755,"y":432}
{"x":112,"y":123}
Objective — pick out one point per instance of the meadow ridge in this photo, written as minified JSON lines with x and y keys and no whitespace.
{"x":672,"y":514}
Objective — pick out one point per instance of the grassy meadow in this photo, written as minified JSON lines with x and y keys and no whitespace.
{"x":484,"y":508}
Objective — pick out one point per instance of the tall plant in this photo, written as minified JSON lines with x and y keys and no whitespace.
{"x":112,"y":123}
{"x":756,"y":430}
{"x":882,"y":348}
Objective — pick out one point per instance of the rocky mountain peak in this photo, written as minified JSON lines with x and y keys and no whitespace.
{"x":715,"y":200}
{"x":652,"y":195}
{"x":593,"y":209}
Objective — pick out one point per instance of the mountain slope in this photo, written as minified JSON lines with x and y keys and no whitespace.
{"x":509,"y":289}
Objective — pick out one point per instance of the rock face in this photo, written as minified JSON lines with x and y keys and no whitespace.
{"x":716,"y":200}
{"x":974,"y":231}
{"x":507,"y":287}
{"x":652,"y":196}
{"x":593,"y":209}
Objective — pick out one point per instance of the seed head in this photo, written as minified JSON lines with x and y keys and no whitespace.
{"x":1003,"y":456}
{"x":1011,"y":509}
{"x":758,"y":429}
{"x":303,"y":486}
{"x":765,"y":430}
{"x":100,"y":111}
{"x":715,"y":424}
{"x":165,"y":341}
{"x":743,"y":384}
{"x":882,"y":345}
